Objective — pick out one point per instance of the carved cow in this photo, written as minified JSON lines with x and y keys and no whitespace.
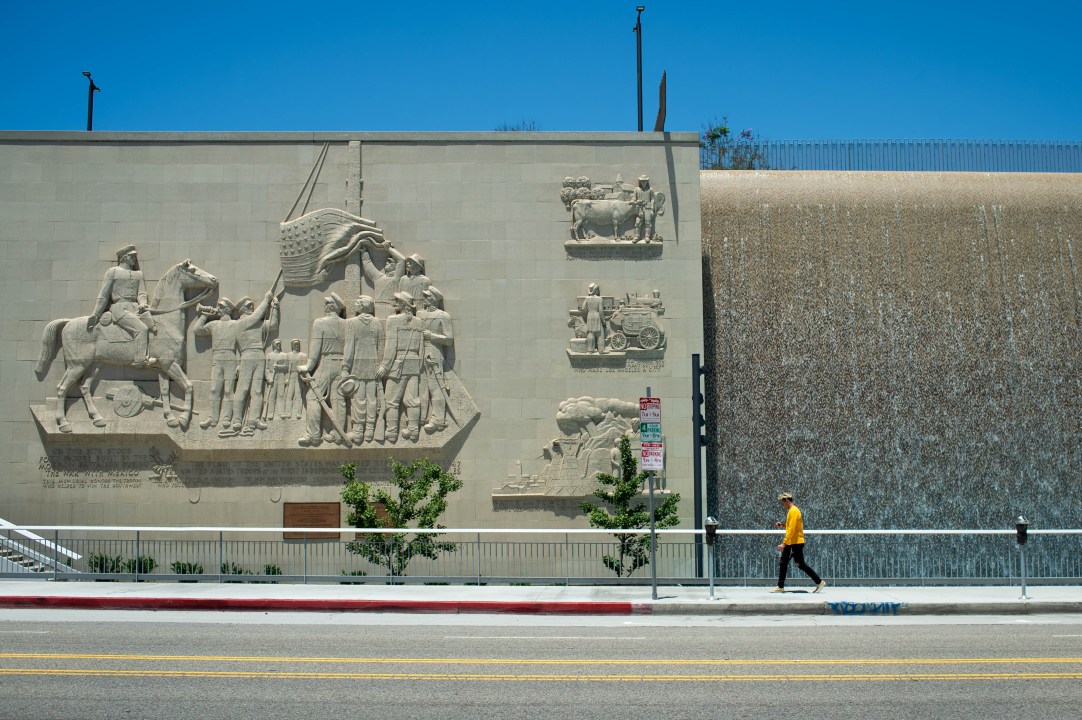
{"x":601,"y":213}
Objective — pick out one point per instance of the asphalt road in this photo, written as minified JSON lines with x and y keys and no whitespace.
{"x":75,"y":665}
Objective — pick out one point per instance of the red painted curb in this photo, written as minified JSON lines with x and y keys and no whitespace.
{"x":295,"y":605}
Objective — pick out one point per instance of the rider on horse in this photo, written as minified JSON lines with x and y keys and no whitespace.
{"x":124,"y":295}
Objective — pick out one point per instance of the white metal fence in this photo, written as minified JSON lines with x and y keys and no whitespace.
{"x":569,"y":556}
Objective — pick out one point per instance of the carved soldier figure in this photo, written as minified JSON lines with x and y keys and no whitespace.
{"x":402,"y":363}
{"x":294,"y":386}
{"x":415,"y":281}
{"x":364,"y":348}
{"x":274,"y":396}
{"x":322,"y":373}
{"x":646,"y":207}
{"x":124,"y":294}
{"x":223,"y":368}
{"x":384,"y":281}
{"x":439,"y":335}
{"x":253,"y":325}
{"x":593,"y":312}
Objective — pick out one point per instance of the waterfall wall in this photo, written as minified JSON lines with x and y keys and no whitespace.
{"x":900,"y":350}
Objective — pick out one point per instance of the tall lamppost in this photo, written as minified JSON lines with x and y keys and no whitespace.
{"x":638,"y":41}
{"x":90,"y":101}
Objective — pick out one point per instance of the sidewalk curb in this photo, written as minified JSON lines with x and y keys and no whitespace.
{"x":865,"y":608}
{"x":336,"y":605}
{"x":855,"y":608}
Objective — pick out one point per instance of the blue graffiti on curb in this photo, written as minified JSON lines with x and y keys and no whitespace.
{"x":866,"y":608}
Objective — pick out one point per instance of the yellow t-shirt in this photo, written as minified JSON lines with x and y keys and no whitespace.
{"x":794,"y":527}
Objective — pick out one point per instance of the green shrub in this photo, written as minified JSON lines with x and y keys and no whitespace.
{"x":232,"y":568}
{"x":143,"y":564}
{"x":101,"y":563}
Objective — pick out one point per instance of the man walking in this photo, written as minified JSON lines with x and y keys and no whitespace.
{"x":793,"y":545}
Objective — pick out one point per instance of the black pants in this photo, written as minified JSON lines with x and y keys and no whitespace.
{"x":797,"y":553}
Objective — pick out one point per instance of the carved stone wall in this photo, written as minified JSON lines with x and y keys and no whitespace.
{"x":242,"y":240}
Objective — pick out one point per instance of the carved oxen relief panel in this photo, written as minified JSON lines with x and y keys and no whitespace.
{"x":613,"y":220}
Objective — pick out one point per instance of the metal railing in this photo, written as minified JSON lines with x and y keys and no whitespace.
{"x":563,"y":556}
{"x":1058,"y":156}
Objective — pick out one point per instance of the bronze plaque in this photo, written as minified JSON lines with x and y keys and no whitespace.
{"x":311,"y":515}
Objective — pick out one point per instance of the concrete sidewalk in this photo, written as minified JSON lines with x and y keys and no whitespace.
{"x":541,"y":599}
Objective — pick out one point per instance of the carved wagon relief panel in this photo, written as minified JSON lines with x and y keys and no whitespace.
{"x":611,"y":330}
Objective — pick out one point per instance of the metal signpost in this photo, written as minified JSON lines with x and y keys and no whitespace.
{"x":651,"y":458}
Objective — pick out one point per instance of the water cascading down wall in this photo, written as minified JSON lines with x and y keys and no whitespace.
{"x":900,"y":350}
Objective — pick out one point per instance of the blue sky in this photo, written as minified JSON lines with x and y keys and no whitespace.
{"x":790,"y":70}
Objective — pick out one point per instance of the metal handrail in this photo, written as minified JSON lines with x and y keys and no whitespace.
{"x":537,"y":531}
{"x":25,"y":532}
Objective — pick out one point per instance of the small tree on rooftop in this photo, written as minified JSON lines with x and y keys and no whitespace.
{"x":723,"y":149}
{"x":520,"y":126}
{"x":623,"y":510}
{"x":421,"y":494}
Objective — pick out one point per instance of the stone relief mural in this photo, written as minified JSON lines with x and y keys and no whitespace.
{"x":610,"y":330}
{"x":129,"y":329}
{"x":366,"y":379}
{"x":613,"y":219}
{"x":314,"y":242}
{"x":590,"y":429}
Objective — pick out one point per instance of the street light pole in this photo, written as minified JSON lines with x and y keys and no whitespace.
{"x":638,"y":42}
{"x":90,"y":101}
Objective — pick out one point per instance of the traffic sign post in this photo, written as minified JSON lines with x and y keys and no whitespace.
{"x":650,"y":410}
{"x":651,"y":457}
{"x":650,"y":432}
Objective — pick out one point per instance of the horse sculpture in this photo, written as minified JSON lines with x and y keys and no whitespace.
{"x":83,"y":347}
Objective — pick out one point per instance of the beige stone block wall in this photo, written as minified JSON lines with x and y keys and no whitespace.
{"x":484,"y":210}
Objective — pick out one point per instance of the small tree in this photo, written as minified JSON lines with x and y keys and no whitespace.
{"x":724,"y":150}
{"x":633,"y":549}
{"x":422,"y":490}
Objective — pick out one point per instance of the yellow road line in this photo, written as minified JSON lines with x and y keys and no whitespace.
{"x":865,"y":677}
{"x":554,"y":662}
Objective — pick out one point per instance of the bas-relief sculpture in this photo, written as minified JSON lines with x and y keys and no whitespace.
{"x":276,"y":375}
{"x":613,"y":220}
{"x":129,"y":329}
{"x":590,"y":430}
{"x":365,"y":381}
{"x":609,"y":331}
